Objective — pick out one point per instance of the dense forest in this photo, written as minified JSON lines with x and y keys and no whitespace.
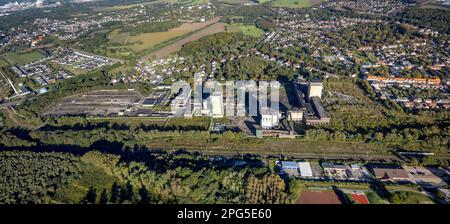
{"x":95,"y":177}
{"x":27,"y":177}
{"x":437,"y":19}
{"x":231,"y":45}
{"x":150,"y":27}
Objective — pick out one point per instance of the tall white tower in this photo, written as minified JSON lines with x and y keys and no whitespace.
{"x":315,"y":88}
{"x":217,"y":104}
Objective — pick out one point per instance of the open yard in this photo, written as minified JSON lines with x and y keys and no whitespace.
{"x":246,"y":29}
{"x":3,"y":63}
{"x":116,"y":37}
{"x":22,"y":58}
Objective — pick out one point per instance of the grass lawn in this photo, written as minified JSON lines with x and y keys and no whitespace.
{"x":416,"y":198}
{"x":3,"y":63}
{"x":22,"y":58}
{"x":263,"y":1}
{"x":235,"y":2}
{"x":118,"y":38}
{"x":75,"y":71}
{"x":121,"y":69}
{"x":249,"y":30}
{"x":374,"y":198}
{"x":292,"y":3}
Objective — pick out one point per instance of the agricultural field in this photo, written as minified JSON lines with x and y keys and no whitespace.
{"x":149,"y":40}
{"x":116,"y":37}
{"x":129,"y":44}
{"x":246,"y":29}
{"x":291,"y":3}
{"x":173,"y":47}
{"x":22,"y":58}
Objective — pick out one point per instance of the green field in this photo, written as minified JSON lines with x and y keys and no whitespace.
{"x":121,"y":69}
{"x":116,"y":37}
{"x":374,"y":198}
{"x":292,"y":3}
{"x":22,"y":58}
{"x":416,"y":198}
{"x":3,"y":63}
{"x":235,"y":2}
{"x":249,"y":30}
{"x":145,"y":41}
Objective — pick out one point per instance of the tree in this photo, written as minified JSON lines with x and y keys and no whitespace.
{"x":104,"y":197}
{"x":91,"y":196}
{"x":115,"y":193}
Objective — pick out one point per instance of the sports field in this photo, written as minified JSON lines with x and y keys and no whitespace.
{"x":22,"y":58}
{"x":359,"y":198}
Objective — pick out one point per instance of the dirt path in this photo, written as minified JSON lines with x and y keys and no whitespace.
{"x":12,"y":117}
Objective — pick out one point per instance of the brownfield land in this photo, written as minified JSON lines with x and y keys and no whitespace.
{"x":167,"y":50}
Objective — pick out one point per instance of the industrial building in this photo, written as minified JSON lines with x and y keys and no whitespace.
{"x":388,"y":172}
{"x":182,"y":100}
{"x":149,"y":102}
{"x":289,"y":165}
{"x":305,"y":169}
{"x":316,"y":113}
{"x":217,"y":110}
{"x":296,"y":114}
{"x":315,"y":88}
{"x":269,"y":118}
{"x":310,"y":109}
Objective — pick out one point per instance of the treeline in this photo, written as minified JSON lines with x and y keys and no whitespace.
{"x":203,"y":181}
{"x":218,"y":45}
{"x":436,"y":19}
{"x":150,"y":27}
{"x":126,"y":138}
{"x":92,"y":42}
{"x":270,"y":189}
{"x":377,"y":34}
{"x":83,"y":123}
{"x":430,"y":138}
{"x":49,"y":177}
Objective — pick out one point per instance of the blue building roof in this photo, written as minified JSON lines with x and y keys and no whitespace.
{"x":289,"y":164}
